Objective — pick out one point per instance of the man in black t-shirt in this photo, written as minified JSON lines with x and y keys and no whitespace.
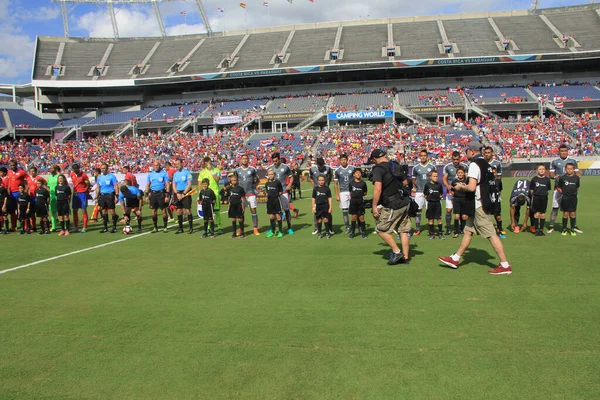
{"x":388,"y":190}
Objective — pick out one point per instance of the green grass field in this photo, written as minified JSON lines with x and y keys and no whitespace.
{"x":180,"y":317}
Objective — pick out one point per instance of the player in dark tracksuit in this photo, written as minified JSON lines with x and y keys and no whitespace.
{"x":207,"y":200}
{"x":358,"y":190}
{"x":568,"y":186}
{"x":42,"y":203}
{"x":237,"y":195}
{"x":459,"y":205}
{"x":23,"y":204}
{"x":274,"y":190}
{"x":540,"y":187}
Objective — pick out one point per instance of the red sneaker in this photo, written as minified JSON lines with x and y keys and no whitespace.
{"x":449,"y":262}
{"x":500,"y":270}
{"x":417,"y":233}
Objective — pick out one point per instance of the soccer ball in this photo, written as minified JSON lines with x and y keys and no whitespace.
{"x":127,"y":230}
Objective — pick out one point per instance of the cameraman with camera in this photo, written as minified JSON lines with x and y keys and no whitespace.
{"x":388,"y":189}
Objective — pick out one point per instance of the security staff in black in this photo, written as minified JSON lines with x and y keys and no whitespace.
{"x":388,"y":190}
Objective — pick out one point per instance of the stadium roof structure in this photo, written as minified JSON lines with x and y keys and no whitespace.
{"x":552,"y":34}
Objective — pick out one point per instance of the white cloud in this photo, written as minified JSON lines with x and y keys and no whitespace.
{"x":131,"y":23}
{"x":39,"y":14}
{"x":16,"y":51}
{"x":185,"y":29}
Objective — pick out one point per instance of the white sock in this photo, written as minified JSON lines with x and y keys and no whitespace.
{"x":455,"y":257}
{"x":504,"y":264}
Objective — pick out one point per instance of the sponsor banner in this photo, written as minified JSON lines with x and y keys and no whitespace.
{"x":591,"y":172}
{"x":286,"y":116}
{"x":350,"y":115}
{"x":434,"y":109}
{"x":228,"y":119}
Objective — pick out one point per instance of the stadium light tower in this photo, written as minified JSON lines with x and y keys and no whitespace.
{"x":110,"y":4}
{"x":535,"y":4}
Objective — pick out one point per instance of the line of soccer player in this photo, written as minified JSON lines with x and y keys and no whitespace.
{"x":25,"y":197}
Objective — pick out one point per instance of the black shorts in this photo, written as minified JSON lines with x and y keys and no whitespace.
{"x":295,"y":184}
{"x":41,"y":211}
{"x":106,"y":201}
{"x":568,"y":203}
{"x":273,"y":205}
{"x":235,"y":211}
{"x":207,"y":212}
{"x":434,"y":210}
{"x":62,"y":208}
{"x":357,"y":207}
{"x":184,"y":204}
{"x":131,"y":203}
{"x":157,"y":200}
{"x":322,"y":211}
{"x":539,"y":204}
{"x":11,"y":204}
{"x":23,"y":214}
{"x":459,"y":205}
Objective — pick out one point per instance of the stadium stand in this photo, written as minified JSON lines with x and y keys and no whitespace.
{"x":418,"y":41}
{"x":429,"y":98}
{"x":530,"y":33}
{"x":212,"y":52}
{"x":363,"y":43}
{"x":80,"y":56}
{"x":168,"y":54}
{"x":362,"y":102}
{"x":23,"y":119}
{"x":121,"y":117}
{"x":583,"y":26}
{"x":471,"y":45}
{"x":73,"y":122}
{"x":259,"y":49}
{"x":178,"y":112}
{"x":499,"y":95}
{"x":296,"y":104}
{"x":568,"y":92}
{"x":308,"y":47}
{"x":2,"y":122}
{"x":235,"y":107}
{"x":125,"y":55}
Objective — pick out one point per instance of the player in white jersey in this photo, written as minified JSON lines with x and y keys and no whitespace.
{"x":247,"y":179}
{"x":557,"y":169}
{"x":342,"y":177}
{"x":283,"y":174}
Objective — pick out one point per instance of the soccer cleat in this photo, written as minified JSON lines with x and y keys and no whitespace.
{"x":319,"y":236}
{"x":83,"y":230}
{"x":531,"y":229}
{"x":279,"y":235}
{"x":442,"y":237}
{"x":113,"y":230}
{"x":270,"y":234}
{"x":204,"y":235}
{"x":67,"y":233}
{"x":328,"y":235}
{"x":154,"y":230}
{"x":455,"y":235}
{"x":40,"y":233}
{"x":396,"y":258}
{"x":448,"y":261}
{"x":290,"y":231}
{"x":256,"y":232}
{"x":517,"y":229}
{"x":550,"y":229}
{"x":165,"y":230}
{"x":541,"y":233}
{"x":348,"y":230}
{"x":501,"y":235}
{"x":296,"y":211}
{"x":351,"y":236}
{"x":431,"y":237}
{"x":61,"y":233}
{"x":573,"y":233}
{"x":577,"y":230}
{"x":47,"y":232}
{"x":241,"y":234}
{"x":331,"y":233}
{"x":233,"y":236}
{"x":104,"y":230}
{"x":315,"y":232}
{"x":417,"y":233}
{"x":23,"y":232}
{"x":179,"y":231}
{"x":219,"y":231}
{"x":76,"y":230}
{"x":564,"y":232}
{"x":364,"y":236}
{"x":500,"y":270}
{"x":190,"y":231}
{"x":212,"y":236}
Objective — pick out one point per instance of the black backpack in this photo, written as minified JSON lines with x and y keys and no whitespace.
{"x":399,"y":172}
{"x":487,"y":187}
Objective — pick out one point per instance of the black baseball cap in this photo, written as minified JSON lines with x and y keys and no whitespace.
{"x":377,"y":153}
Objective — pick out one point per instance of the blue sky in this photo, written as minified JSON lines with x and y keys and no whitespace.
{"x":22,"y":20}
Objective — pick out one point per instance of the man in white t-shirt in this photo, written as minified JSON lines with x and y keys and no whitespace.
{"x":478,"y":221}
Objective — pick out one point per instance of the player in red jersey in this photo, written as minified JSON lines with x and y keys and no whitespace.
{"x":16,"y":177}
{"x":130,"y":177}
{"x":81,"y":189}
{"x":170,"y":172}
{"x":32,"y":181}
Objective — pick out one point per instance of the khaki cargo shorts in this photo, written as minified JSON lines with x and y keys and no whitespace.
{"x":481,"y":224}
{"x":394,"y":220}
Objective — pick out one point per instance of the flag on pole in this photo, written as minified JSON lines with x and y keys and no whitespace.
{"x":220,"y":9}
{"x":266,"y":3}
{"x":290,"y":1}
{"x":312,"y":1}
{"x":243,"y":5}
{"x":182,"y":12}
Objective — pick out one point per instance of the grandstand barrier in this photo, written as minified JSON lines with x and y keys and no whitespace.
{"x":360,"y":115}
{"x":287,"y":116}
